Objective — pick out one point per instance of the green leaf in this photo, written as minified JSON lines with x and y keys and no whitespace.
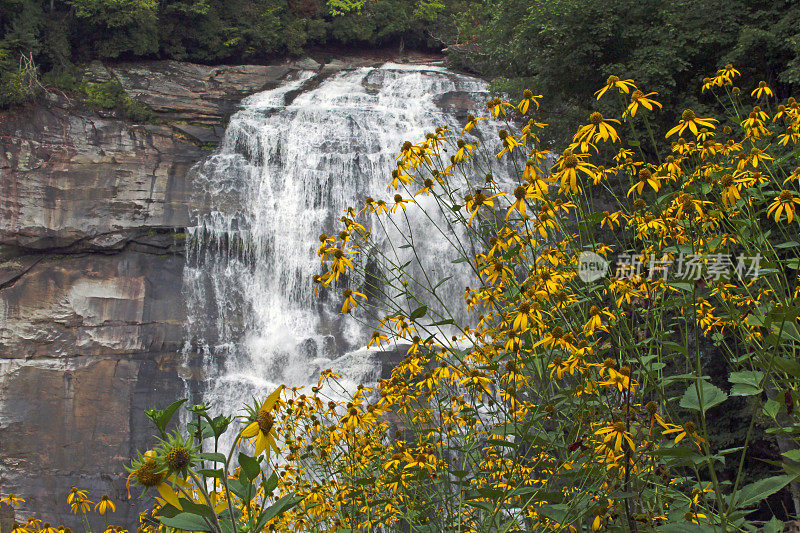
{"x":746,"y":383}
{"x":276,"y":509}
{"x":216,"y":457}
{"x":773,"y":526}
{"x":186,"y":522}
{"x":460,"y":260}
{"x":250,"y":467}
{"x":419,"y":312}
{"x":711,"y":395}
{"x":162,"y":417}
{"x":771,"y":408}
{"x":501,"y":442}
{"x":557,"y":512}
{"x":755,"y":492}
{"x":790,"y":366}
{"x":512,"y":252}
{"x":242,"y":489}
{"x":271,"y":483}
{"x":792,"y":455}
{"x":682,"y":285}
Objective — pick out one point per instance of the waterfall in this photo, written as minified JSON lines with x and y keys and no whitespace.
{"x":292,"y":159}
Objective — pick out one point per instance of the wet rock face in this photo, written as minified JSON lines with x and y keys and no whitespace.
{"x":71,"y":177}
{"x":199,"y":93}
{"x":75,"y":422}
{"x":92,"y":212}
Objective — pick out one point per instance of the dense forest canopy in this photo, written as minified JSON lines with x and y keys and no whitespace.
{"x":563,"y":49}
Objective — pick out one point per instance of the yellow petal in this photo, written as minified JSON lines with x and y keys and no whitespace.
{"x":272,"y":398}
{"x":168,"y":494}
{"x":250,"y":431}
{"x":261,"y":443}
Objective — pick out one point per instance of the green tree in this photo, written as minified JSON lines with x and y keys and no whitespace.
{"x":112,"y":28}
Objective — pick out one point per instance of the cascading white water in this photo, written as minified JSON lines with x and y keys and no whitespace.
{"x":291,"y":161}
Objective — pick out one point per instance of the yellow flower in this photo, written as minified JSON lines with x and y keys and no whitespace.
{"x":730,"y":189}
{"x":497,"y":107}
{"x":784,"y":202}
{"x":350,"y":301}
{"x":682,"y":431}
{"x":598,"y":129}
{"x":477,"y":378}
{"x":762,"y":89}
{"x":521,"y":194}
{"x":624,"y":86}
{"x":149,"y":474}
{"x":397,"y":178}
{"x":399,"y":202}
{"x":689,"y":120}
{"x":78,"y":501}
{"x":528,"y":98}
{"x":568,"y":166}
{"x":472,"y":121}
{"x":611,"y":219}
{"x":478,"y":200}
{"x":621,"y":379}
{"x":646,"y":177}
{"x":638,"y":98}
{"x":728,"y":73}
{"x":509,"y":143}
{"x":595,"y":321}
{"x":262,"y":431}
{"x":105,"y":504}
{"x":12,"y":500}
{"x":464,"y":150}
{"x":76,"y":493}
{"x":377,"y":339}
{"x":792,"y":135}
{"x":616,"y":434}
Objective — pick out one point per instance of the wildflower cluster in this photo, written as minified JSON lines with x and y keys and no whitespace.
{"x":563,"y":404}
{"x":78,"y":502}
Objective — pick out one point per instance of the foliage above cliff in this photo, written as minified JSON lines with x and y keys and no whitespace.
{"x":564,"y":48}
{"x":58,"y":31}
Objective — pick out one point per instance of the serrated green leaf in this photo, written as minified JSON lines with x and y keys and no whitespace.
{"x":710,"y":395}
